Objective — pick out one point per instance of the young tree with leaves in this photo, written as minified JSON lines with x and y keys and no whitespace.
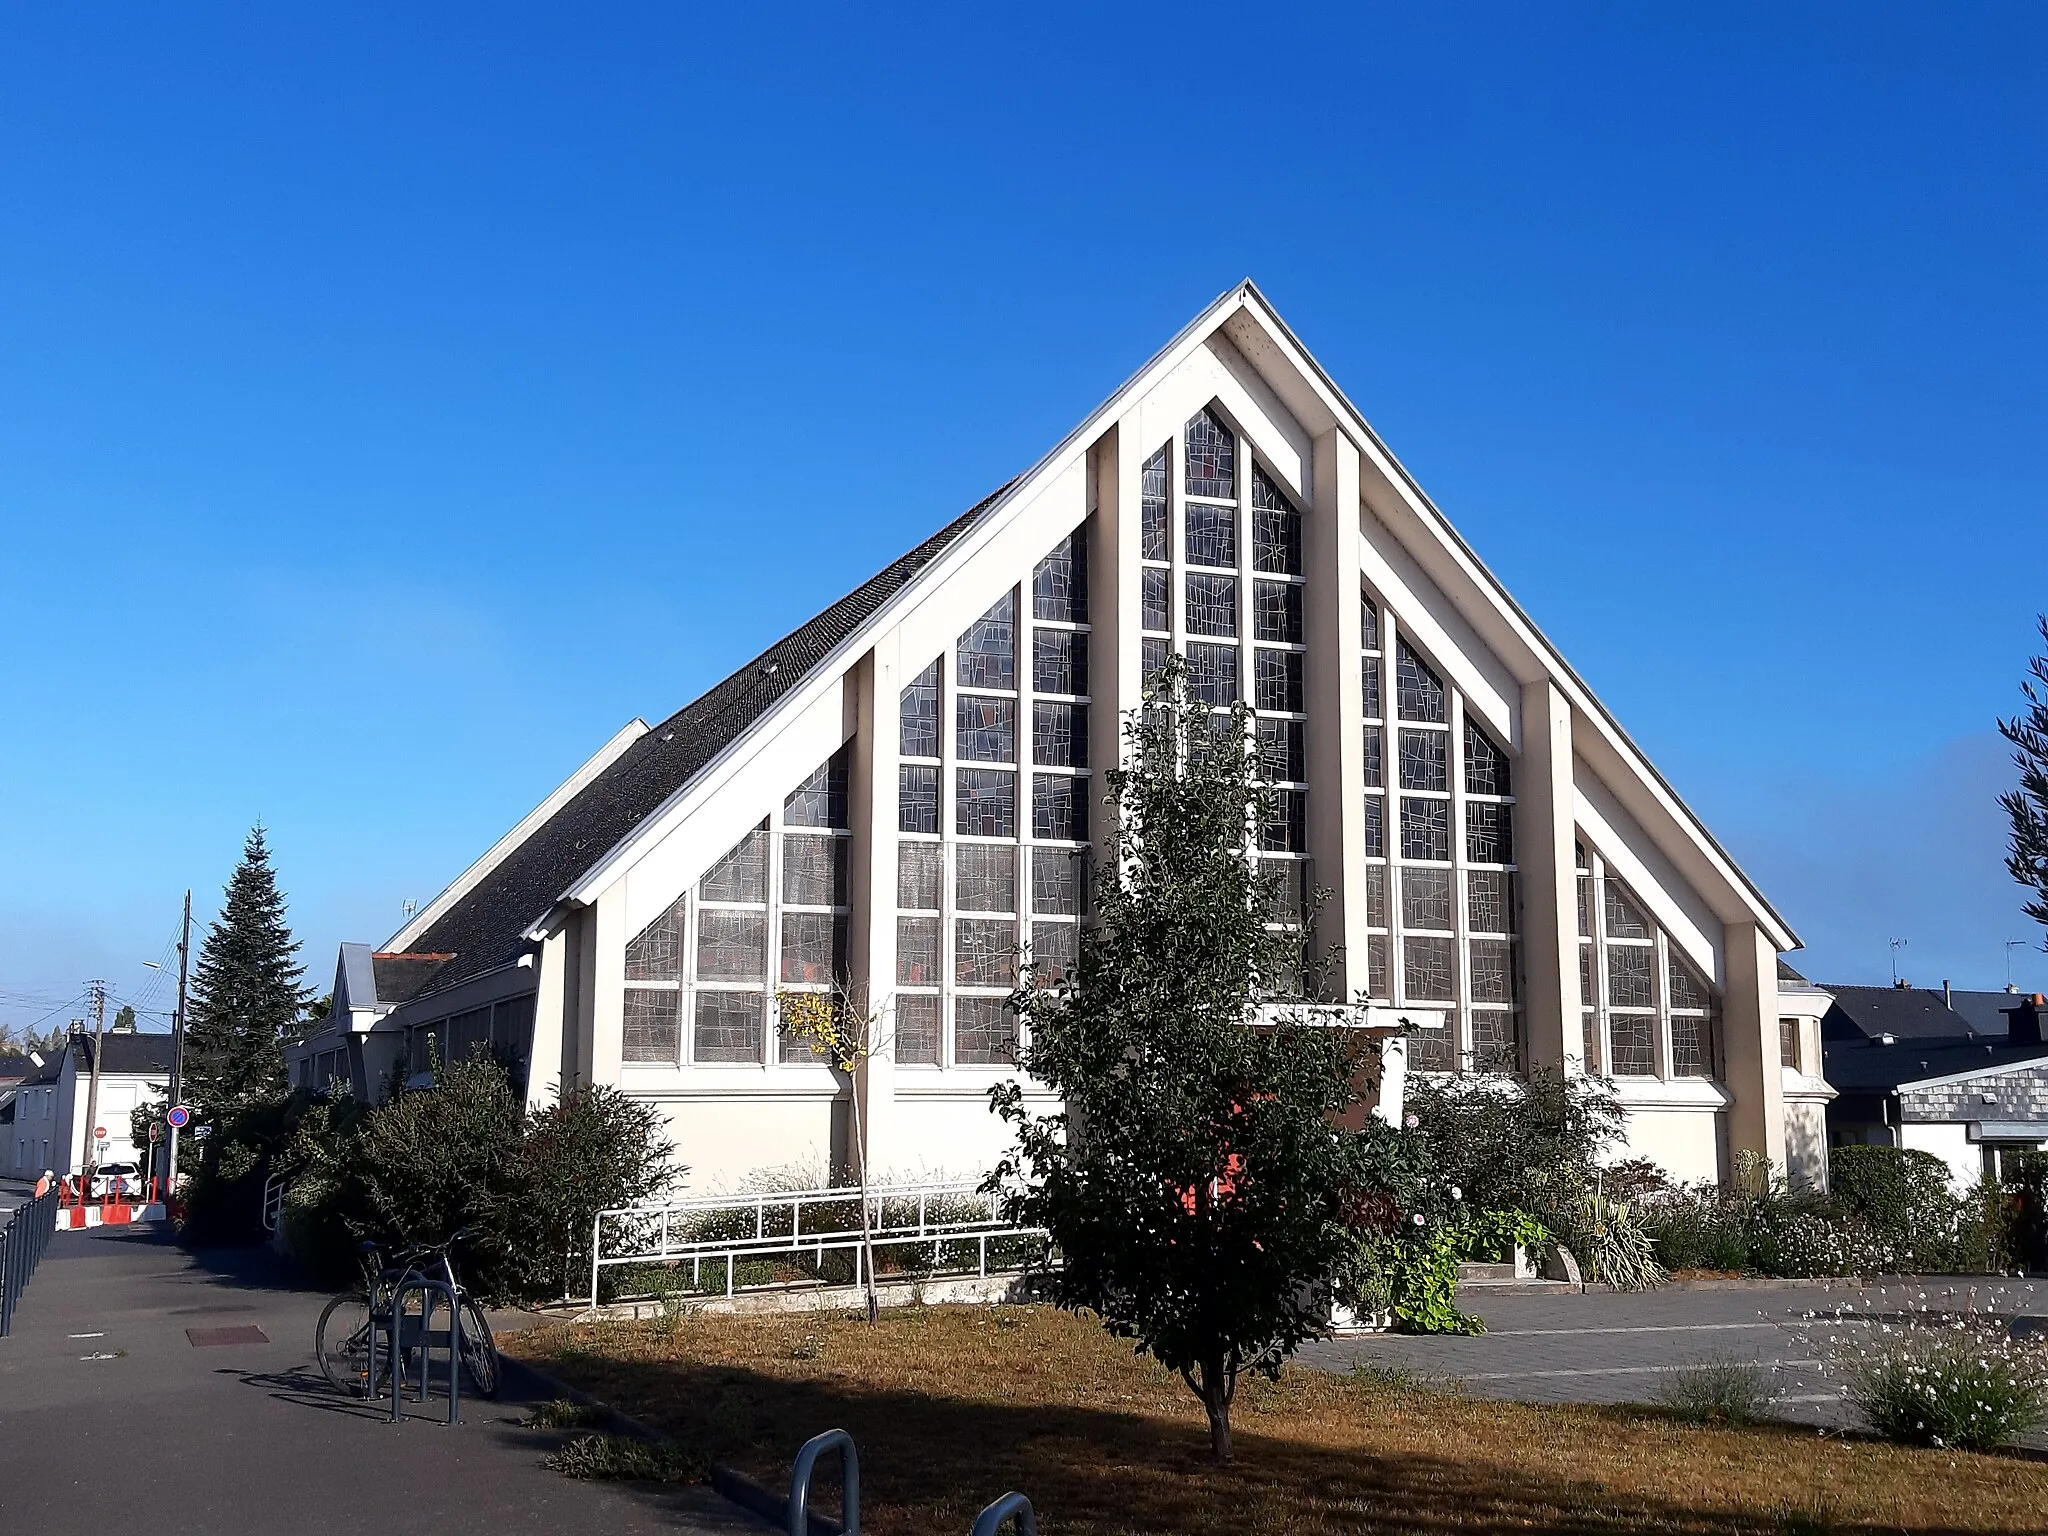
{"x":2027,"y":806}
{"x":247,"y":993}
{"x":1193,"y":1179}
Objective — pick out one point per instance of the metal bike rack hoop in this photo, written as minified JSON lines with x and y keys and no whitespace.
{"x":849,"y":1482}
{"x":428,"y":1290}
{"x":990,"y":1520}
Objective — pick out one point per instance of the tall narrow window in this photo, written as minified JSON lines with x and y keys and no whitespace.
{"x":1441,"y":898}
{"x":1648,"y":1011}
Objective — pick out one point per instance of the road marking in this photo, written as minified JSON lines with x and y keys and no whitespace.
{"x":85,"y":1335}
{"x":100,"y":1357}
{"x":1612,"y":1370}
{"x":1530,"y":1333}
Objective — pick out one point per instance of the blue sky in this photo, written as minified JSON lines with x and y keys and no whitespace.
{"x":394,"y":400}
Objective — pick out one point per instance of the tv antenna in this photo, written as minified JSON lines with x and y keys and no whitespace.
{"x":1897,"y":945}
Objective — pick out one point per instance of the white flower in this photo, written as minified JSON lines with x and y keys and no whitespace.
{"x":1457,"y":1193}
{"x":1419,"y":1219}
{"x":1412,"y":1121}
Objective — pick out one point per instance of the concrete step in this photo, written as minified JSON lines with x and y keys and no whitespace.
{"x":1496,"y":1273}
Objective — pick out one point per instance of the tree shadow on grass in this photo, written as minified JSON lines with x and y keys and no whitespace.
{"x":929,"y":1464}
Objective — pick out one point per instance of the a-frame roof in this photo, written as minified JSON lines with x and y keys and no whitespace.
{"x":576,"y":847}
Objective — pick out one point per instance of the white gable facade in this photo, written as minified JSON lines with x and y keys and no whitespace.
{"x":921,"y":806}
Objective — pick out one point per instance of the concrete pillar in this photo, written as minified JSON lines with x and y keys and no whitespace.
{"x":1336,"y":745}
{"x":607,"y":968}
{"x":580,"y":998}
{"x":1115,"y":680}
{"x":1749,"y":1045}
{"x":1545,"y":831}
{"x":871,"y":962}
{"x":546,"y":1067}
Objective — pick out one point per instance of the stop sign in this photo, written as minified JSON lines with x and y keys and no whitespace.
{"x":99,"y":1133}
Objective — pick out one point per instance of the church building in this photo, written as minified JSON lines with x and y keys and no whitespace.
{"x":903,"y":797}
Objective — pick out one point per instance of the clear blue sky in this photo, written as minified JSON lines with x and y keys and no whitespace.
{"x":394,"y":400}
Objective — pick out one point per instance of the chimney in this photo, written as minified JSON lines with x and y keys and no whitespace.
{"x":1902,"y":985}
{"x":2024,"y":1020}
{"x":1947,"y":998}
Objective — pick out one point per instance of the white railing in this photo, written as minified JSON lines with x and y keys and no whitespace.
{"x":902,"y":1219}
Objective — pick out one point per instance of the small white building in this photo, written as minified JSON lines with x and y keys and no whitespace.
{"x":902,"y":797}
{"x":49,"y":1130}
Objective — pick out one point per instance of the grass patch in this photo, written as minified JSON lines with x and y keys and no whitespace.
{"x":624,"y":1459}
{"x":953,"y":1406}
{"x":1722,"y":1391}
{"x":561,"y":1414}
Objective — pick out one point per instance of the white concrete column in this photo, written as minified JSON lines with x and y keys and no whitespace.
{"x":871,"y":972}
{"x":546,"y":1068}
{"x":607,"y":966}
{"x":1545,"y":833}
{"x":580,"y":998}
{"x":1115,"y":679}
{"x":1334,"y":735}
{"x":1749,"y":1045}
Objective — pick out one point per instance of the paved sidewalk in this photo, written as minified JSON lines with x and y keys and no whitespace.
{"x":112,"y":1418}
{"x":1566,"y":1347}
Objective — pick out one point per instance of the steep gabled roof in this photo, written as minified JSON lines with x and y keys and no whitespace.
{"x":139,"y":1054}
{"x":483,"y":926}
{"x":1930,"y":1038}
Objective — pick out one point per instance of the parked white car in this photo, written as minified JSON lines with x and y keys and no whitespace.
{"x":108,"y":1176}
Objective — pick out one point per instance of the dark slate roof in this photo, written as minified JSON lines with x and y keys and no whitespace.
{"x":14,"y":1066}
{"x":1786,"y":973}
{"x":1932,"y":1039}
{"x":402,"y":976}
{"x":482,"y":929}
{"x":125,"y":1052}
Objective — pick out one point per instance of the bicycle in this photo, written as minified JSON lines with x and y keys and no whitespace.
{"x":342,"y":1339}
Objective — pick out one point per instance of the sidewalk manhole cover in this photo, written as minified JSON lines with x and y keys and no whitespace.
{"x":207,"y":1338}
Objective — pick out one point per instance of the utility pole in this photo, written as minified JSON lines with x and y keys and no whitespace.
{"x":178,"y":1043}
{"x":98,"y":989}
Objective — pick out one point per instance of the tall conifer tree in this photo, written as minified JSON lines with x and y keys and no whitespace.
{"x":2027,"y":806}
{"x":247,"y":992}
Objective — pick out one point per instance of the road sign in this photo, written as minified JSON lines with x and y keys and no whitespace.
{"x":99,"y":1133}
{"x":201,"y":1132}
{"x":155,"y":1131}
{"x":179,"y":1117}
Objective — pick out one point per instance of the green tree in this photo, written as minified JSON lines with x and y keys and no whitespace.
{"x":1193,"y":1181}
{"x":124,"y":1021}
{"x":2027,"y":806}
{"x":247,"y":993}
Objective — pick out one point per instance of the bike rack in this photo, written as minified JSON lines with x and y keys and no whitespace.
{"x":990,"y":1520}
{"x":800,"y":1482}
{"x":402,"y":1336}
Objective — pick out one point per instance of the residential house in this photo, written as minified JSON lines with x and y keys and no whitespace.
{"x":49,"y":1130}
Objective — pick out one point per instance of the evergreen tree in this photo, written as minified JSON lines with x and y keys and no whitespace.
{"x":247,"y":992}
{"x":2027,"y":806}
{"x":1193,"y":1179}
{"x":124,"y":1021}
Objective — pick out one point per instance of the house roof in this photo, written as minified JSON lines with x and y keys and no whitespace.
{"x":483,"y":926}
{"x":1931,"y":1038}
{"x":14,"y":1067}
{"x":400,"y":977}
{"x":136,"y":1053}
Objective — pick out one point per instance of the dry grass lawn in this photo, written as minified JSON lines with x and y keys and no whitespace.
{"x":952,"y":1406}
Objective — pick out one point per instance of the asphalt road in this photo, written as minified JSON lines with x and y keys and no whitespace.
{"x":115,"y":1417}
{"x":1606,"y":1348}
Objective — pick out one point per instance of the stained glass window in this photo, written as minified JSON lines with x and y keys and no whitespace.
{"x":984,"y":1032}
{"x":986,"y":729}
{"x":814,"y":870}
{"x":1154,"y":600}
{"x":729,"y":1026}
{"x":1212,"y":605}
{"x":1489,"y":827}
{"x":1421,"y":690}
{"x":1368,"y":623}
{"x":1059,"y":735}
{"x":1058,"y":808}
{"x":820,"y":801}
{"x":1059,"y":582}
{"x":655,"y":953}
{"x":1212,"y":535}
{"x":1055,"y":952}
{"x":1284,"y":828}
{"x":984,"y":953}
{"x":919,"y":709}
{"x":1428,"y":969}
{"x":742,"y":873}
{"x":1425,"y":897}
{"x":1425,"y":760}
{"x":1283,"y":756}
{"x":986,"y":877}
{"x":1152,"y":517}
{"x":652,"y":1032}
{"x":917,"y":1030}
{"x":1058,"y":880}
{"x":1425,"y":829}
{"x":1486,"y":766}
{"x":917,"y":798}
{"x":987,"y":653}
{"x":1279,"y":682}
{"x":1276,"y":528}
{"x":732,"y":944}
{"x":1212,"y":673}
{"x":1375,"y":765}
{"x":985,"y":803}
{"x":917,"y":951}
{"x":812,"y":946}
{"x":1276,"y":611}
{"x":920,"y":873}
{"x":1059,"y":661}
{"x":1212,"y":458}
{"x":1369,"y":676}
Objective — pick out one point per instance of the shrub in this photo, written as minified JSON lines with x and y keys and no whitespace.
{"x":593,"y":1149}
{"x":1958,"y":1381}
{"x":1608,"y":1236}
{"x":1502,"y":1142}
{"x":620,"y":1458}
{"x":1718,"y":1391}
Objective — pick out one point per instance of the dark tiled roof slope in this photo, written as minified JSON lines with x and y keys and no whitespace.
{"x":13,"y":1065}
{"x":127,"y":1053}
{"x":400,"y":977}
{"x":1932,"y":1039}
{"x":482,"y":929}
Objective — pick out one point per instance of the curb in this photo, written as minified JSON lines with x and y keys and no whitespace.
{"x":612,"y":1418}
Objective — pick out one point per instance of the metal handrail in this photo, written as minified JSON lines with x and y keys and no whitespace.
{"x":849,"y":1483}
{"x":23,"y":1239}
{"x":990,"y":1520}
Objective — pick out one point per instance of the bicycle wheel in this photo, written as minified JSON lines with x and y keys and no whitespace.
{"x":479,"y":1350}
{"x":342,"y":1344}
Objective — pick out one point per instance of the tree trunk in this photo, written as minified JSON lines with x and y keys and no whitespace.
{"x":1216,"y":1395}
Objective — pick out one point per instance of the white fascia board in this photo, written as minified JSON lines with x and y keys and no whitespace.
{"x":831,"y":669}
{"x":1483,"y":582}
{"x":467,"y":881}
{"x":2025,"y":1064}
